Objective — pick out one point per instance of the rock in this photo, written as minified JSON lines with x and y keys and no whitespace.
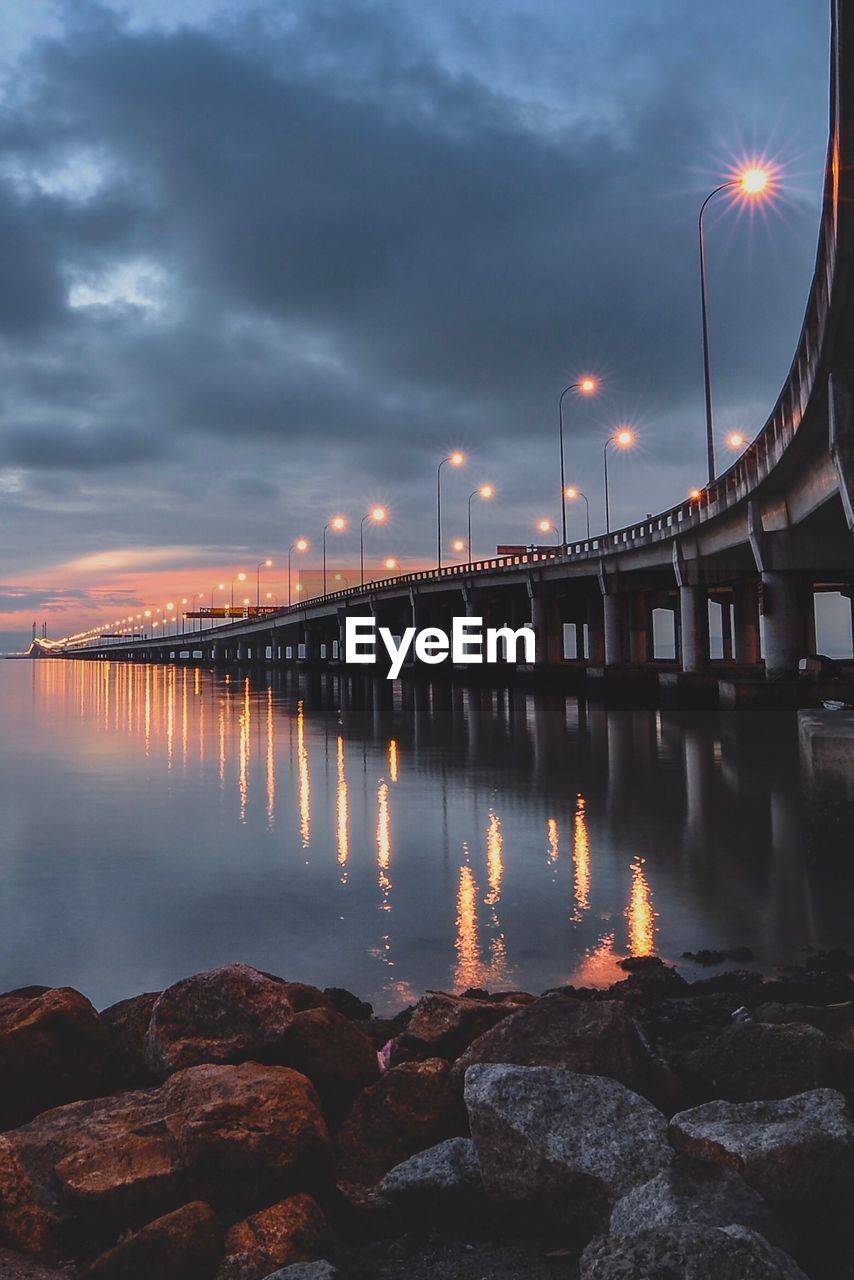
{"x":445,"y":1177}
{"x":640,"y":964}
{"x":693,"y":1193}
{"x":24,"y":1222}
{"x":239,"y":1137}
{"x":796,"y":1152}
{"x":592,"y":1038}
{"x":344,"y":1002}
{"x":303,"y":996}
{"x":687,"y":1253}
{"x":561,"y":1148}
{"x":337,"y":1057}
{"x":224,"y":1015}
{"x":410,"y":1107}
{"x":15,"y":1266}
{"x":184,"y":1245}
{"x":52,"y":1050}
{"x":649,"y":982}
{"x":710,"y":956}
{"x":293,"y":1231}
{"x":833,"y":1019}
{"x":127,"y":1025}
{"x":443,"y":1026}
{"x":751,"y":1061}
{"x":307,"y":1271}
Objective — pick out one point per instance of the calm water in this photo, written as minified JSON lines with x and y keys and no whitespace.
{"x":391,"y":838}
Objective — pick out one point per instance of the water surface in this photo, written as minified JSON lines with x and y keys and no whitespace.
{"x":392,"y":837}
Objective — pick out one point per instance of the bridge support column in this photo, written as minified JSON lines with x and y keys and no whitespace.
{"x":693,"y":628}
{"x":539,"y":622}
{"x":595,"y":633}
{"x":787,"y":632}
{"x":639,"y":646}
{"x":613,"y":628}
{"x":746,"y":600}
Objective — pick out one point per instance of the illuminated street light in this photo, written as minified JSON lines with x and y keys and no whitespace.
{"x":301,"y":544}
{"x":240,"y":577}
{"x":736,"y":440}
{"x":338,"y":524}
{"x":754,"y":182}
{"x":458,"y":545}
{"x":262,"y":564}
{"x":378,"y":515}
{"x":571,"y":492}
{"x":170,"y":608}
{"x":546,"y":526}
{"x":486,"y":492}
{"x":391,"y":564}
{"x":456,"y":459}
{"x":695,"y":494}
{"x":623,"y":438}
{"x":587,"y":387}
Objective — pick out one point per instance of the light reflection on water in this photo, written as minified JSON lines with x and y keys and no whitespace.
{"x":389,"y":838}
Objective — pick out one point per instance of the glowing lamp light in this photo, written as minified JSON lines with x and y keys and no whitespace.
{"x":338,"y":522}
{"x":390,"y":563}
{"x":486,"y":491}
{"x":695,"y":493}
{"x":571,"y":492}
{"x":736,"y":440}
{"x":268,"y":563}
{"x":379,"y":514}
{"x":458,"y":544}
{"x":587,"y":386}
{"x":754,"y":181}
{"x":544,"y":526}
{"x":624,"y":438}
{"x":301,"y":544}
{"x":457,"y":459}
{"x":241,"y":577}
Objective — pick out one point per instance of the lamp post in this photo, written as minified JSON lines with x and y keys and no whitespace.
{"x":456,"y":459}
{"x":546,"y":526}
{"x":337,"y":523}
{"x":624,"y":438}
{"x":301,"y":544}
{"x":220,"y":586}
{"x":572,"y":493}
{"x":240,"y":577}
{"x":753,"y":182}
{"x":262,"y":564}
{"x":485,"y":491}
{"x":587,"y":387}
{"x":378,"y":515}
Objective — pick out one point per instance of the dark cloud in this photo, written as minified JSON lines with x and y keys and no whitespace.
{"x":315,"y":245}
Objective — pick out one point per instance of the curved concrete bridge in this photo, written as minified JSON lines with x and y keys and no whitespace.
{"x":772,"y":530}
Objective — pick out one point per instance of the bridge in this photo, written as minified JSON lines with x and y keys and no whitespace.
{"x":772,"y":530}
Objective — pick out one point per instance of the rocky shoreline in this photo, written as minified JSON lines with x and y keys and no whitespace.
{"x":238,"y":1126}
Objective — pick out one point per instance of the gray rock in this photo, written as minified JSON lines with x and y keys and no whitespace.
{"x":561,"y":1147}
{"x":687,"y":1253}
{"x":450,"y":1169}
{"x":796,"y":1152}
{"x":751,"y":1061}
{"x":693,"y":1193}
{"x":590,"y":1037}
{"x":307,"y":1271}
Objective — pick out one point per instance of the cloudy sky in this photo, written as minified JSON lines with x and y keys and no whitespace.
{"x":262,"y":262}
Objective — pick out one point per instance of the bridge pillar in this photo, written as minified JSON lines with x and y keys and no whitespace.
{"x":746,"y":647}
{"x":595,"y":633}
{"x":539,"y":622}
{"x":612,"y":613}
{"x":693,"y":627}
{"x":639,"y":646}
{"x":787,"y":631}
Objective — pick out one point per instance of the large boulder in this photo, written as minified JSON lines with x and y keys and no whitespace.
{"x":442,"y":1181}
{"x":337,"y":1057}
{"x":184,"y":1245}
{"x":796,"y":1152}
{"x":443,"y":1026}
{"x":238,"y":1136}
{"x":322,"y":1270}
{"x":52,"y":1050}
{"x":751,"y":1061}
{"x":17,"y":1266}
{"x":687,"y":1253}
{"x":292,"y":1231}
{"x":230,"y":1014}
{"x":561,"y":1148}
{"x":25,"y":1223}
{"x":127,"y":1025}
{"x":694,"y":1193}
{"x":588,"y":1037}
{"x":409,"y":1108}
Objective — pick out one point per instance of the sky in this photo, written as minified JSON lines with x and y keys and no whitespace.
{"x":261,"y":263}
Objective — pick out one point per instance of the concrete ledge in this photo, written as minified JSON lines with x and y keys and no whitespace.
{"x":826,"y":740}
{"x":688,"y":689}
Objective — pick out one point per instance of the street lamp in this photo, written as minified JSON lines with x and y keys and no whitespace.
{"x":623,"y":438}
{"x":546,"y":526}
{"x":753,"y":182}
{"x":587,"y":387}
{"x":458,"y":545}
{"x":170,"y":608}
{"x":378,"y":515}
{"x":736,"y":440}
{"x":240,"y":577}
{"x":219,"y":587}
{"x":486,"y":492}
{"x":301,"y":544}
{"x":456,"y":459}
{"x":572,"y":493}
{"x":262,"y":564}
{"x":391,"y":564}
{"x":338,"y":523}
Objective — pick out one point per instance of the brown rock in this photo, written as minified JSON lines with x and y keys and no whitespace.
{"x":337,"y":1057}
{"x":590,"y":1037}
{"x":295,"y":1230}
{"x":230,"y":1014}
{"x":303,"y":996}
{"x":184,"y":1245}
{"x":24,"y":1223}
{"x":834,"y":1019}
{"x":410,"y":1108}
{"x":122,"y":1184}
{"x":443,"y":1026}
{"x":127,"y":1024}
{"x":52,"y":1050}
{"x":747,"y":1062}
